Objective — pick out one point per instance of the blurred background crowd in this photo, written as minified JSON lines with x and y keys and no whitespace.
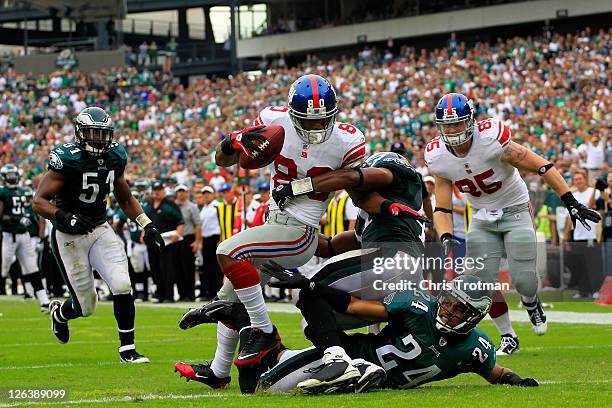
{"x":554,"y":94}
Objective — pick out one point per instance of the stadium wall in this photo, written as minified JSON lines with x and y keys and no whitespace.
{"x":88,"y":61}
{"x":470,"y":19}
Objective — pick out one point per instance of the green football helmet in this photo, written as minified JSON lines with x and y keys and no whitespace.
{"x":10,"y":175}
{"x":93,"y":131}
{"x":462,"y":304}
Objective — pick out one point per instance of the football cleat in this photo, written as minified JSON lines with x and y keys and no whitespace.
{"x":336,"y":374}
{"x":202,"y":373}
{"x":60,"y":329}
{"x":257,"y":346}
{"x":536,"y":316}
{"x":128,"y":354}
{"x":509,"y":344}
{"x":212,"y":312}
{"x":372,"y":376}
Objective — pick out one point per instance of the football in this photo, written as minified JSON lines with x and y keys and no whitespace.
{"x":275,"y":137}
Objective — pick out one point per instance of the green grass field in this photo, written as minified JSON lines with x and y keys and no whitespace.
{"x":573,"y":362}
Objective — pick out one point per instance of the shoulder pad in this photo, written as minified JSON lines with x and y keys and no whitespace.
{"x":119,"y":150}
{"x":493,"y":131}
{"x":270,"y":114}
{"x":433,"y":149}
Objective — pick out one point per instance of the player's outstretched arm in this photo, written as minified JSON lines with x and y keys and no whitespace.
{"x":443,"y":213}
{"x":524,"y":159}
{"x":51,"y":184}
{"x":502,"y":375}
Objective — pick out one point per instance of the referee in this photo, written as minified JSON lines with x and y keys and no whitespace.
{"x":167,"y":217}
{"x":192,"y":237}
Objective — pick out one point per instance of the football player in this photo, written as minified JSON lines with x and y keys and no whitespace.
{"x":314,"y":144}
{"x":425,"y":339}
{"x":390,"y":222}
{"x":72,"y":194}
{"x":483,"y":162}
{"x":15,"y":236}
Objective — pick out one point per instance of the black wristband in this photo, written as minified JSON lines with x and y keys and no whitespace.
{"x":337,"y":299}
{"x":226,"y":146}
{"x":444,"y":210}
{"x":542,"y":170}
{"x":384,"y":207}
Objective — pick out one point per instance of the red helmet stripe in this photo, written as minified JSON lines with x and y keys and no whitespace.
{"x":315,"y":90}
{"x":449,"y":104}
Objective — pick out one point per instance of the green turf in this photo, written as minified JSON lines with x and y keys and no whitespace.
{"x":573,"y":361}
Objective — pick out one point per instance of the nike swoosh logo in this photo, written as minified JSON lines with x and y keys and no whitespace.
{"x":246,"y":357}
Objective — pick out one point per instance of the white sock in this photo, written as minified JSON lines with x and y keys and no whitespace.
{"x":529,"y":299}
{"x":227,"y":340}
{"x":504,"y":325}
{"x":27,"y":288}
{"x":41,"y":295}
{"x":253,"y":301}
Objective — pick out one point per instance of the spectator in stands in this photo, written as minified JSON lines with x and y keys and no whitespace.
{"x":143,"y":53}
{"x":190,"y":244}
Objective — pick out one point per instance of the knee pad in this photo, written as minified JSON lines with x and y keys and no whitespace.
{"x":88,"y":304}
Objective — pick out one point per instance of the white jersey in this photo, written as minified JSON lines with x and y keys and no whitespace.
{"x":487,"y":181}
{"x":297,"y":160}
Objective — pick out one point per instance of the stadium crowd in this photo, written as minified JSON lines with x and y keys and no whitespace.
{"x":553,"y":93}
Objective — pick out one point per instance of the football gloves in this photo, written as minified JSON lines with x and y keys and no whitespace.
{"x":247,"y":141}
{"x":74,"y":223}
{"x":448,"y":243}
{"x":393,"y":209}
{"x":513,"y":379}
{"x":25,"y":221}
{"x":286,"y":279}
{"x":281,"y":194}
{"x":579,"y":211}
{"x":153,"y":238}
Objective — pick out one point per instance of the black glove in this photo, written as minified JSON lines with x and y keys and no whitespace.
{"x":74,"y":223}
{"x":281,"y":194}
{"x":153,"y":238}
{"x":579,"y":212}
{"x":286,"y":279}
{"x":514,"y":379}
{"x":448,"y":243}
{"x":600,"y":185}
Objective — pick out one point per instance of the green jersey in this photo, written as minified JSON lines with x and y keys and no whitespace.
{"x":13,"y":200}
{"x":88,"y":179}
{"x":413,"y":352}
{"x":134,"y":229}
{"x":407,"y":189}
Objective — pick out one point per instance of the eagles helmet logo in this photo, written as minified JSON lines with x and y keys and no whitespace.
{"x":55,"y":161}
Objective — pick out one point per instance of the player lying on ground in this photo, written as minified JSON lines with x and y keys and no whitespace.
{"x":72,"y":194}
{"x":425,"y":340}
{"x":392,"y":219}
{"x":16,"y":242}
{"x":482,"y":161}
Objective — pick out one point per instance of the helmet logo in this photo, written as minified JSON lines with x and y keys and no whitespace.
{"x":291,"y":94}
